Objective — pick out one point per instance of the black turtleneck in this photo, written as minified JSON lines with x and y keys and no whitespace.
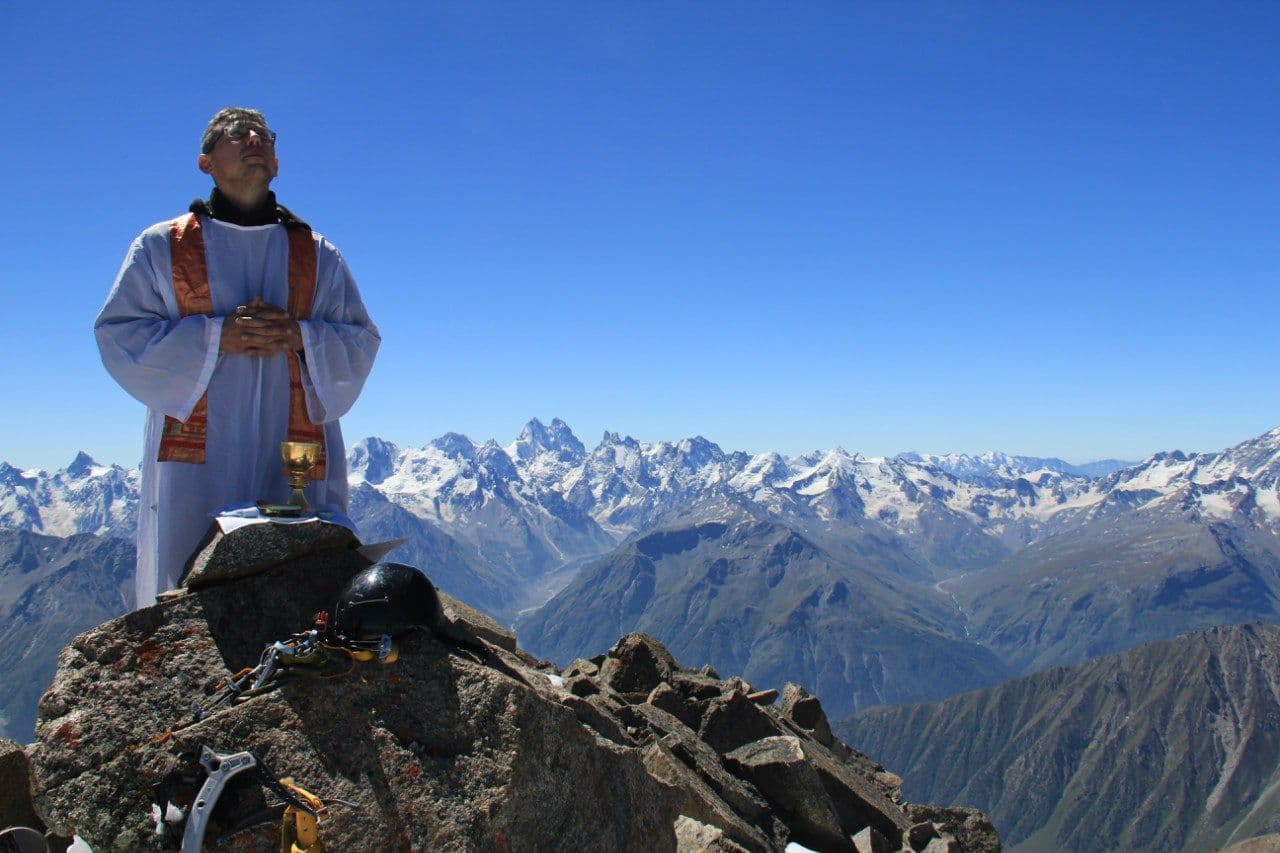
{"x":267,"y":212}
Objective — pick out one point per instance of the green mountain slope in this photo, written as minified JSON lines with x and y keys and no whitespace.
{"x":1170,"y":746}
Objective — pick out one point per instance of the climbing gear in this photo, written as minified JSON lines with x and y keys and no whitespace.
{"x":22,"y":839}
{"x":377,"y":605}
{"x":299,"y":828}
{"x":382,"y":602}
{"x":302,"y":810}
{"x":299,"y":816}
{"x":316,"y":653}
{"x":221,"y":768}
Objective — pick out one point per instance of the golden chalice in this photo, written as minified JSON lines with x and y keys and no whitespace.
{"x":299,"y":458}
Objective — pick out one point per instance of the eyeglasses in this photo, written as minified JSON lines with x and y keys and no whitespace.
{"x":240,"y":130}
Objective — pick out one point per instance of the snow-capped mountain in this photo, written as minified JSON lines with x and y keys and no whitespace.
{"x":967,"y":466}
{"x":371,"y":460}
{"x":84,"y":497}
{"x":628,"y":486}
{"x":1177,"y":543}
{"x":546,"y":453}
{"x":475,"y":493}
{"x":1241,"y":483}
{"x":545,"y":500}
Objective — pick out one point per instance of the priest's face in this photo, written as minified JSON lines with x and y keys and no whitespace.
{"x":242,"y":158}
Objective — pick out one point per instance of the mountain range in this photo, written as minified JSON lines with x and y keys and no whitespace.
{"x":930,"y":574}
{"x":874,"y":581}
{"x":1013,"y":559}
{"x":1170,"y":746}
{"x":84,"y":497}
{"x":524,"y":516}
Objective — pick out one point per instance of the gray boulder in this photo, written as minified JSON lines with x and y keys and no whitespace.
{"x":805,"y":711}
{"x":637,"y":663}
{"x":694,"y":837}
{"x":258,"y":547}
{"x":778,"y":767}
{"x":733,"y":720}
{"x":870,"y":841}
{"x":971,"y":828}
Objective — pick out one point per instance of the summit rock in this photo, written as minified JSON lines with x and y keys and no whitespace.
{"x":465,"y":742}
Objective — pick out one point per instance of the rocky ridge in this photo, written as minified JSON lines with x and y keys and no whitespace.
{"x":466,"y":742}
{"x":757,"y":598}
{"x":1170,"y":746}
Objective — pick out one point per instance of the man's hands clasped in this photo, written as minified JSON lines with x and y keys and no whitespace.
{"x":260,"y":328}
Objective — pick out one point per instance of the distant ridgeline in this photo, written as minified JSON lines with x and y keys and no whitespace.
{"x":870,"y":580}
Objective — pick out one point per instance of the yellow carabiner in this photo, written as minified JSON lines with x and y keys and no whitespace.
{"x":299,"y":830}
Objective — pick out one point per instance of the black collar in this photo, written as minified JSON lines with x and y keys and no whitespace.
{"x":268,"y":212}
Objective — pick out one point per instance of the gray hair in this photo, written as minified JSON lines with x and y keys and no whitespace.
{"x":223,"y":119}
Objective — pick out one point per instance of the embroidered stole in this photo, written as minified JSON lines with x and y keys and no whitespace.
{"x":184,"y":441}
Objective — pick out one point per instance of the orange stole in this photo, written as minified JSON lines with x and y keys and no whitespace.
{"x":184,"y":441}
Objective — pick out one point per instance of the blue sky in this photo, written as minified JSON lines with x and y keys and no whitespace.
{"x":1044,"y":228}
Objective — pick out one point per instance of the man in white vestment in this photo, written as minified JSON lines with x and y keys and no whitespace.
{"x":210,"y":316}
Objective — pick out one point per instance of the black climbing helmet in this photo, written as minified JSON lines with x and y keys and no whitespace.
{"x":386,"y":599}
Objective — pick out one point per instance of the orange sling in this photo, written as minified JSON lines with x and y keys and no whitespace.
{"x":184,"y":441}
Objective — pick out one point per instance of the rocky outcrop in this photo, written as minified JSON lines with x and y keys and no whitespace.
{"x":463,"y":743}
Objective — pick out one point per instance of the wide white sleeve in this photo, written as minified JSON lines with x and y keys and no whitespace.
{"x":161,"y":359}
{"x":339,"y":341}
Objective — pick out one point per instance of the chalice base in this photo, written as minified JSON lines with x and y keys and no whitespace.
{"x":271,"y":510}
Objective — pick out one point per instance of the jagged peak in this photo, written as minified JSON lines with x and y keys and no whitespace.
{"x":455,"y":444}
{"x":557,"y":438}
{"x":373,"y":458}
{"x":699,"y":446}
{"x":612,"y":439}
{"x":82,"y":465}
{"x":838,"y":457}
{"x":372,"y":443}
{"x":496,"y":461}
{"x":14,"y":476}
{"x":534,"y":432}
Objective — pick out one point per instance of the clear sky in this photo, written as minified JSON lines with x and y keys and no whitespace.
{"x":1045,"y":228}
